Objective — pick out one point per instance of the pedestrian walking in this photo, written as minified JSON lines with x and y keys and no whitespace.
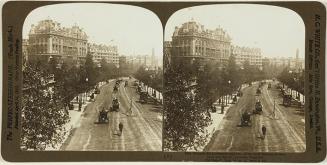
{"x":120,"y":126}
{"x":263,"y":129}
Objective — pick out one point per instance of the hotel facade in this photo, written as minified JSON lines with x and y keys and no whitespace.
{"x":192,"y":41}
{"x":48,"y":39}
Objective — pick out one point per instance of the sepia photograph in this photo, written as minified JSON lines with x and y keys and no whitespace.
{"x":159,"y":81}
{"x":234,"y":79}
{"x":92,"y":78}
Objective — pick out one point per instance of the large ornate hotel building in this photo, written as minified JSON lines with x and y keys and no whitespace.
{"x":48,"y":39}
{"x":193,"y":41}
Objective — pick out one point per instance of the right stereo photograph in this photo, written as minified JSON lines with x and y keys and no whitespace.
{"x":234,"y":79}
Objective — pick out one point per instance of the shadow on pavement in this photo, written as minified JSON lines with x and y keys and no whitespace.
{"x":156,"y":109}
{"x":299,"y":112}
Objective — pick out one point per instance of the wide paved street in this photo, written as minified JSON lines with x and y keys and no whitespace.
{"x":142,"y":124}
{"x":285,"y":130}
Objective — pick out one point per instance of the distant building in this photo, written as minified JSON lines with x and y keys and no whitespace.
{"x":134,"y":60}
{"x":154,"y":60}
{"x":48,"y":39}
{"x":122,"y":60}
{"x":278,"y":62}
{"x":242,"y":54}
{"x":297,"y":64}
{"x":192,"y":41}
{"x":106,"y":52}
{"x":145,"y":60}
{"x":265,"y":62}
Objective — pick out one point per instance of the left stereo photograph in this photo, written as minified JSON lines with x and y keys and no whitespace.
{"x":92,"y":81}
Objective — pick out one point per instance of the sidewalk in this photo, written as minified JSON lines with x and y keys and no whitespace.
{"x":74,"y":116}
{"x":216,"y":118}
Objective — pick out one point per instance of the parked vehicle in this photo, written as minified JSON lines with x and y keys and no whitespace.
{"x":234,"y":99}
{"x":139,"y":89}
{"x":92,"y":97}
{"x":287,"y":100}
{"x":143,"y":97}
{"x":97,"y":90}
{"x":71,"y":106}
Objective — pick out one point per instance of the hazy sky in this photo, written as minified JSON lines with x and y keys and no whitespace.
{"x":277,"y":31}
{"x":132,"y":29}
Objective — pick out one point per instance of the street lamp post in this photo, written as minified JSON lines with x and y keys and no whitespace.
{"x":82,"y":98}
{"x":85,"y":95}
{"x":290,"y":72}
{"x":229,"y":82}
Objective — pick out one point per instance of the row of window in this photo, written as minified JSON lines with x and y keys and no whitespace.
{"x":202,"y":43}
{"x":186,"y":51}
{"x":106,"y":57}
{"x":104,"y":51}
{"x":56,"y":49}
{"x":57,"y":40}
{"x":248,"y":54}
{"x":249,"y":59}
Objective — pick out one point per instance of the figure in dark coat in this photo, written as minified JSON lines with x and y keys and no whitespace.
{"x":263,"y":129}
{"x":120,"y":126}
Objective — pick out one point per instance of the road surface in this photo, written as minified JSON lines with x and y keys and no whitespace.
{"x":285,"y":129}
{"x":142,"y":124}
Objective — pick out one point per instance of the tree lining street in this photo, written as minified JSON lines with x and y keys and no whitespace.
{"x":285,"y":130}
{"x":142,"y":127}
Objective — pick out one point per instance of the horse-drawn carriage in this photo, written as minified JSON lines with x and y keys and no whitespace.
{"x":257,"y":108}
{"x":246,"y":119}
{"x":115,"y":88}
{"x":258,"y":91}
{"x":103,"y":117}
{"x":115,"y":105}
